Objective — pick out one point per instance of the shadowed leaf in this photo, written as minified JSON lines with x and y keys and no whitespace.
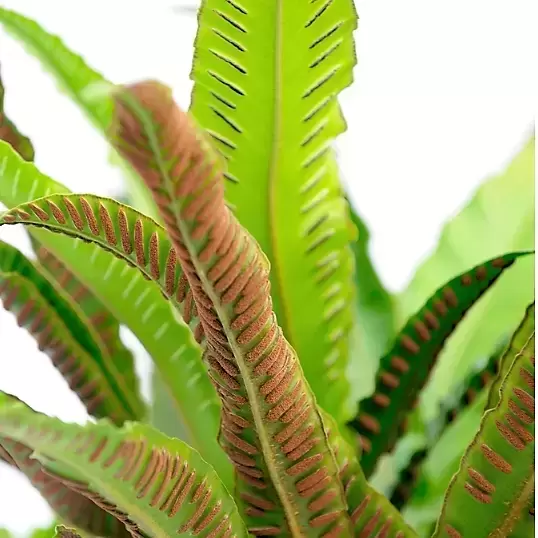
{"x":450,"y":411}
{"x":63,"y":333}
{"x":129,"y":297}
{"x":404,"y":370}
{"x":162,"y":484}
{"x":266,"y":80}
{"x":370,"y":512}
{"x":270,"y":426}
{"x":495,"y":482}
{"x":64,"y":532}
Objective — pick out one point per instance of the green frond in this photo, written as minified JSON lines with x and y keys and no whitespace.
{"x":518,"y":341}
{"x":499,"y":218}
{"x":463,"y":397}
{"x":63,"y":332}
{"x":370,"y":512}
{"x":157,"y":486}
{"x":495,"y":482}
{"x":97,"y":314}
{"x":266,"y":80}
{"x":404,"y":370}
{"x":270,"y":428}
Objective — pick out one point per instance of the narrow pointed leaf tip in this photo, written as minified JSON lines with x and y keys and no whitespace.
{"x":405,"y":369}
{"x":271,"y":428}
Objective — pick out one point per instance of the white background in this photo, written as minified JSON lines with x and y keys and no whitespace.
{"x":444,"y":95}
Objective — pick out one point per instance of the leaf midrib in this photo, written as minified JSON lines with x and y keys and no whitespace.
{"x":253,"y":397}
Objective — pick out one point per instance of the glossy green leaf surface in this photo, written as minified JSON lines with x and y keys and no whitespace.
{"x":405,"y":369}
{"x":64,"y":333}
{"x":133,"y":301}
{"x":499,"y":218}
{"x":266,"y":80}
{"x":495,"y":482}
{"x":163,"y":485}
{"x":270,"y":428}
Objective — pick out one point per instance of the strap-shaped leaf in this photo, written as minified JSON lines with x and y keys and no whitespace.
{"x":495,"y":483}
{"x":518,"y":341}
{"x":160,"y":486}
{"x":9,"y":132}
{"x":499,"y":218}
{"x":71,"y":506}
{"x":450,"y":410}
{"x":98,"y":315}
{"x":131,"y":299}
{"x":63,"y":332}
{"x":405,"y":368}
{"x":270,"y":426}
{"x":370,"y":512}
{"x":266,"y":78}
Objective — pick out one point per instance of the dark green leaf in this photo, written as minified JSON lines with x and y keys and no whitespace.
{"x":405,"y":368}
{"x":64,"y":333}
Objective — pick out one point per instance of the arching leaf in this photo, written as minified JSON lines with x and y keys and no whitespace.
{"x":450,"y":411}
{"x":266,"y":78}
{"x":370,"y":512}
{"x":495,"y":482}
{"x":405,"y":368}
{"x":104,"y":323}
{"x":134,"y":302}
{"x":158,"y":486}
{"x":66,"y":503}
{"x":499,"y":218}
{"x":63,"y":332}
{"x":71,"y":506}
{"x":9,"y":132}
{"x":517,"y":343}
{"x":270,"y":426}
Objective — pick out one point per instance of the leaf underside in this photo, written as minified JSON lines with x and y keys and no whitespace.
{"x":405,"y":369}
{"x":62,"y":332}
{"x":130,"y":298}
{"x":164,"y":486}
{"x":270,"y":426}
{"x":266,"y":80}
{"x":450,"y":411}
{"x":495,"y":482}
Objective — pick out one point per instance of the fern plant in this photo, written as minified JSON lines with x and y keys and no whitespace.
{"x":242,"y":275}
